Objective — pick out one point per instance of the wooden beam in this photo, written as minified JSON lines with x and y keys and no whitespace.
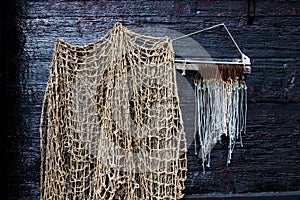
{"x":196,"y":66}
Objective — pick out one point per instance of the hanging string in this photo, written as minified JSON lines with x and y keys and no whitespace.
{"x":183,"y":71}
{"x":196,"y":32}
{"x":221,"y":102}
{"x":221,"y":108}
{"x":209,"y":28}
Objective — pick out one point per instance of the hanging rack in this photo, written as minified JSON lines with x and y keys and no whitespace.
{"x":184,"y":64}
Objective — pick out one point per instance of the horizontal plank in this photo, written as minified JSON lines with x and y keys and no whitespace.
{"x":250,"y":196}
{"x":268,"y":161}
{"x":258,"y":41}
{"x":196,"y":66}
{"x":174,"y":8}
{"x":268,"y":82}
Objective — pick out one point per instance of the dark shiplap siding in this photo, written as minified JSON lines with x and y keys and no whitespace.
{"x":270,"y":158}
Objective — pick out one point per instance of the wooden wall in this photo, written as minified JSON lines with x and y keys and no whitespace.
{"x":266,"y":31}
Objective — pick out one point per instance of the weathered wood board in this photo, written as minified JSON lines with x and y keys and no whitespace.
{"x":270,"y":158}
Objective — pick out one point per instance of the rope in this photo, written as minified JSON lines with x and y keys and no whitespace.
{"x":209,"y":28}
{"x":220,"y":93}
{"x":112,"y":127}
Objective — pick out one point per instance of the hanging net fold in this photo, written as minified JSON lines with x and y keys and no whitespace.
{"x":111,"y":125}
{"x":221,"y":107}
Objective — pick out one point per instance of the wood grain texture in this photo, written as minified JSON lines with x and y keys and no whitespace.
{"x":270,"y":158}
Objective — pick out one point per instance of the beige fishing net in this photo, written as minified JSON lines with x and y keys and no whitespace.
{"x":112,"y":128}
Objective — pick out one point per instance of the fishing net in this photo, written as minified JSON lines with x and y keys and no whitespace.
{"x":112,"y":128}
{"x":221,"y":107}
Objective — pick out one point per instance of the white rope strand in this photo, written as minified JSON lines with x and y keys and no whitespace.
{"x":209,"y":28}
{"x":196,"y":32}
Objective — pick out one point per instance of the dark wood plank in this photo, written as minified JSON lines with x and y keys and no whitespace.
{"x":269,"y":160}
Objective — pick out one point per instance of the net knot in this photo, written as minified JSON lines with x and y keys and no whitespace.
{"x":119,"y":120}
{"x":117,"y":28}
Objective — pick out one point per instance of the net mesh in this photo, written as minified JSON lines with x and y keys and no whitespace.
{"x":112,"y":125}
{"x":221,"y":107}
